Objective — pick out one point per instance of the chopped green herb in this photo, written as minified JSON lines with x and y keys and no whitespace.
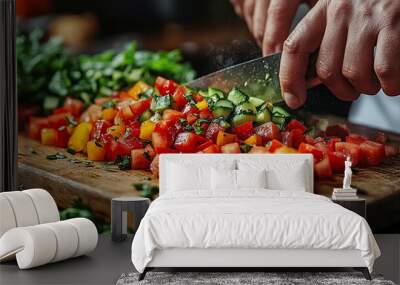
{"x":56,"y":156}
{"x":62,"y":128}
{"x":32,"y":151}
{"x":124,"y":163}
{"x":147,"y":156}
{"x":71,"y":151}
{"x":109,"y":104}
{"x":245,"y":148}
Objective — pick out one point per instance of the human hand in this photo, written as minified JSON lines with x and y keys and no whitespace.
{"x":346,"y":33}
{"x":269,"y":20}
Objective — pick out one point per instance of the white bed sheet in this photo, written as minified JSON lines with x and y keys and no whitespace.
{"x":251,"y":218}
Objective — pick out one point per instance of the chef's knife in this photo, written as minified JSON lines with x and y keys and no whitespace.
{"x":258,"y":77}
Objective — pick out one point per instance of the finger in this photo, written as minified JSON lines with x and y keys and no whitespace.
{"x":248,"y":12}
{"x":331,"y":54}
{"x":238,"y":6}
{"x":358,"y":62}
{"x":387,"y":63}
{"x":279,"y":20}
{"x":303,"y":41}
{"x":259,"y":19}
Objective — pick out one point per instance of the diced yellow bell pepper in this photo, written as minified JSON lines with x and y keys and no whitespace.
{"x":285,"y":150}
{"x":137,"y":89}
{"x":146,"y":130}
{"x":95,"y":151}
{"x":116,"y":131}
{"x":202,"y":105}
{"x":80,"y":137}
{"x":48,"y":136}
{"x":253,"y":140}
{"x":225,"y":138}
{"x":109,"y":114}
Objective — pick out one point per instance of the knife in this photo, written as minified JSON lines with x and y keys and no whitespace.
{"x":258,"y":77}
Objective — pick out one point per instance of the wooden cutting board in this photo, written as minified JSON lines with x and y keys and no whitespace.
{"x":96,"y":183}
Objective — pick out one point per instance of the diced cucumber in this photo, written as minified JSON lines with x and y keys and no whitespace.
{"x":145,"y":116}
{"x":245,"y":108}
{"x":279,"y":111}
{"x":160,"y":103}
{"x":241,"y":119}
{"x":223,"y":108}
{"x":237,"y":97}
{"x":263,"y":116}
{"x":280,"y":116}
{"x":215,"y":91}
{"x":203,"y":93}
{"x":256,"y":102}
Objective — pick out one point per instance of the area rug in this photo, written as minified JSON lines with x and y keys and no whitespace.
{"x":243,"y":278}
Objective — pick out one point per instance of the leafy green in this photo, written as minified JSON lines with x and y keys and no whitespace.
{"x":147,"y":190}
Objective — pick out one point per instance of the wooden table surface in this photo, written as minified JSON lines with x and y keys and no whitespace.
{"x":96,"y":183}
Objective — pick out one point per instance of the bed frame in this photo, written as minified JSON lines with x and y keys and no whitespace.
{"x":242,"y":259}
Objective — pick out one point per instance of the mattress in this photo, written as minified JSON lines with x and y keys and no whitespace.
{"x":251,"y":219}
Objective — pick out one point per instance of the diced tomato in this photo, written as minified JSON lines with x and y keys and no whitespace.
{"x":123,"y":147}
{"x":273,"y":145}
{"x":349,"y":149}
{"x":224,"y":138}
{"x":73,"y":106}
{"x":36,"y":124}
{"x":163,"y":135}
{"x":206,"y":114}
{"x":58,"y":120}
{"x":340,"y":130}
{"x":99,"y":128}
{"x":268,"y":131}
{"x":60,"y":110}
{"x":372,"y":153}
{"x":381,"y":138}
{"x":173,"y":115}
{"x":165,"y":86}
{"x":192,"y":114}
{"x":179,"y":97}
{"x":231,"y":148}
{"x":140,"y":107}
{"x":127,"y":114}
{"x":307,"y":148}
{"x":24,"y":113}
{"x":336,"y":160}
{"x":212,"y":149}
{"x":197,"y":97}
{"x":62,"y":137}
{"x":391,"y":150}
{"x":244,"y":131}
{"x":287,"y":139}
{"x":295,"y":124}
{"x":332,"y":142}
{"x":323,"y":168}
{"x":212,"y":131}
{"x":309,"y":140}
{"x":205,"y":145}
{"x":293,"y":138}
{"x":356,"y":139}
{"x":322,"y":146}
{"x":132,"y":129}
{"x":140,"y":159}
{"x":259,"y":149}
{"x":186,"y":142}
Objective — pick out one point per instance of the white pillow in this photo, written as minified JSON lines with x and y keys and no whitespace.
{"x":223,"y":179}
{"x":188,"y":176}
{"x":251,"y":178}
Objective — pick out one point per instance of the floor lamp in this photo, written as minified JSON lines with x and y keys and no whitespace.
{"x":8,"y":97}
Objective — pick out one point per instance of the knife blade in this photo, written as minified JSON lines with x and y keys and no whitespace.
{"x":258,"y":77}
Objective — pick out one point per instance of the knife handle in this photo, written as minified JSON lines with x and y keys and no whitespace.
{"x":312,"y":79}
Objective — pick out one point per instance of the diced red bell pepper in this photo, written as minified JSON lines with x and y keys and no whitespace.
{"x":307,"y":148}
{"x":99,"y":128}
{"x":372,"y":153}
{"x":268,"y":131}
{"x":356,"y":139}
{"x":179,"y":97}
{"x":336,"y":160}
{"x":231,"y":148}
{"x":36,"y":124}
{"x":295,"y":124}
{"x":62,"y":137}
{"x":186,"y":142}
{"x":381,"y":137}
{"x":164,"y":135}
{"x":212,"y":149}
{"x":349,"y":149}
{"x":58,"y":120}
{"x":165,"y":86}
{"x":212,"y":131}
{"x":323,"y":168}
{"x":273,"y":145}
{"x":340,"y":130}
{"x":123,"y":147}
{"x":73,"y":106}
{"x":172,"y":115}
{"x":140,"y":107}
{"x":244,"y":131}
{"x":205,"y":145}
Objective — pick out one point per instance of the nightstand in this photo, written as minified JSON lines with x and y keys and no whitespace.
{"x":357,"y":205}
{"x":119,"y":215}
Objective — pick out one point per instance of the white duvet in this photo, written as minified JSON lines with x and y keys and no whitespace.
{"x":253,"y":218}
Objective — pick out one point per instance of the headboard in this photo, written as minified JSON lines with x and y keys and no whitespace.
{"x":209,"y":159}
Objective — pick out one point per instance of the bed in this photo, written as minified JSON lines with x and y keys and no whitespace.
{"x":267,"y":217}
